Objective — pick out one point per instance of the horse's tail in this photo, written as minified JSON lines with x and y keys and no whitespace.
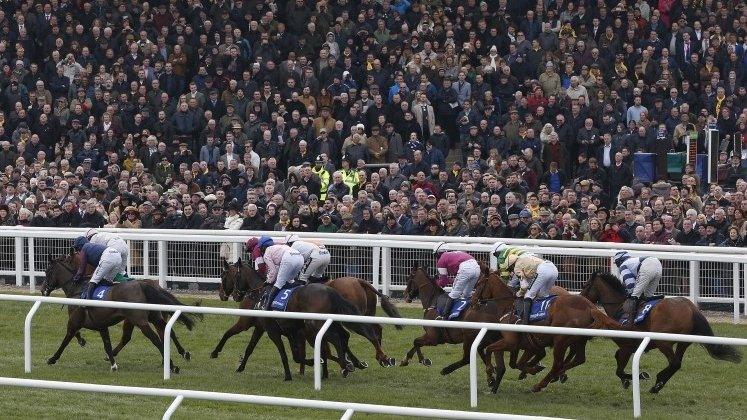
{"x":603,"y":321}
{"x":717,"y":351}
{"x":386,"y":303}
{"x":161,"y":296}
{"x":343,"y":307}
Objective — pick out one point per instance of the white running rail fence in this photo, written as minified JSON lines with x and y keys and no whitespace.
{"x":483,"y":327}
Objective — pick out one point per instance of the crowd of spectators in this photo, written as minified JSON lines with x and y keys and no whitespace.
{"x":496,"y":118}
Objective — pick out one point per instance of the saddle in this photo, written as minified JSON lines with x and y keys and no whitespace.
{"x":280,"y":303}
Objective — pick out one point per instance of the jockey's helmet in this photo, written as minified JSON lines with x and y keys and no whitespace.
{"x":620,"y":257}
{"x":90,"y":233}
{"x":79,"y":242}
{"x":291,"y":238}
{"x":497,"y":248}
{"x":265,"y":242}
{"x":251,"y":243}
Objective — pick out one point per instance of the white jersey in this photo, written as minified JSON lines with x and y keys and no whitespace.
{"x":104,"y":238}
{"x":305,"y":248}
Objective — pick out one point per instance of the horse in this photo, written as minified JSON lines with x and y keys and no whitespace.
{"x":127,"y":327}
{"x":59,"y":274}
{"x":676,"y":315}
{"x":421,"y":285}
{"x":311,"y":298}
{"x":567,"y":311}
{"x":356,"y":291}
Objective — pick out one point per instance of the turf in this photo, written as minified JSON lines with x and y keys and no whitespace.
{"x":704,"y":388}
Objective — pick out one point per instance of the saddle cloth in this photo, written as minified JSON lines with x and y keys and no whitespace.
{"x":457,"y":308}
{"x":540,"y":308}
{"x":644,"y":309}
{"x":280,"y":303}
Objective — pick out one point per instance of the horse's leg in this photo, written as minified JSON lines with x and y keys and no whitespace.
{"x":532,"y":366}
{"x":127,"y":328}
{"x":560,"y":345}
{"x":507,"y":342}
{"x":104,"y":332}
{"x":339,"y":337}
{"x":256,"y":335}
{"x":675,"y":362}
{"x":73,"y":326}
{"x":156,"y":340}
{"x":464,"y":361}
{"x":576,"y":357}
{"x":81,"y":340}
{"x":427,"y":339}
{"x":240,"y":326}
{"x":622,"y":355}
{"x":160,"y":325}
{"x":276,"y":338}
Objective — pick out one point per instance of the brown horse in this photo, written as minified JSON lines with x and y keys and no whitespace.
{"x":675,"y":315}
{"x":59,"y":275}
{"x":567,"y":311}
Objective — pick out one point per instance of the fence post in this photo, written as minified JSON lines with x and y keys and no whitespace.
{"x":27,"y":336}
{"x":32,"y":266}
{"x":19,"y":260}
{"x":737,"y":296}
{"x":744,"y":288}
{"x":129,"y":257}
{"x":386,"y":269}
{"x":318,"y":354}
{"x":376,"y":267}
{"x":162,"y":263}
{"x":473,"y":367}
{"x":167,"y":346}
{"x":694,"y":281}
{"x":348,"y":414}
{"x":637,"y":377}
{"x":172,"y":408}
{"x":146,"y":259}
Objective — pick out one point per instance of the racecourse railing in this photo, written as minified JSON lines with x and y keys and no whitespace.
{"x":483,"y":327}
{"x":702,"y":274}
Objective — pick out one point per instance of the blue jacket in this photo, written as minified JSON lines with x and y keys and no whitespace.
{"x":89,"y":254}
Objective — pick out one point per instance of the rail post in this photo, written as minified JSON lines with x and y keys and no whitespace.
{"x":19,"y":260}
{"x":744,"y":288}
{"x":637,"y":377}
{"x":737,"y":297}
{"x":348,"y":414}
{"x":27,"y":336}
{"x":167,"y":345}
{"x":32,"y":266}
{"x":318,"y":354}
{"x":694,"y":281}
{"x":376,"y":267}
{"x":172,"y":408}
{"x":146,"y":259}
{"x":386,"y":269}
{"x":162,"y":263}
{"x":473,"y":367}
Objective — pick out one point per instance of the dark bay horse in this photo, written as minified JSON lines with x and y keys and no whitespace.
{"x":59,"y":275}
{"x":567,"y":311}
{"x":677,"y":315}
{"x":311,"y":298}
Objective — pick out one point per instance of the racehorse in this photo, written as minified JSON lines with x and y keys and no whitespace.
{"x":311,"y":298}
{"x":567,"y":311}
{"x":59,"y":275}
{"x":676,"y":315}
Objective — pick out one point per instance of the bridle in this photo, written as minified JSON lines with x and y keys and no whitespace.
{"x":253,"y":294}
{"x":421,"y":285}
{"x":599,"y":301}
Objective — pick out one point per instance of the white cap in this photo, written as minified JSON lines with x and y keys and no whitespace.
{"x":438,"y":247}
{"x":498,"y":247}
{"x":291,"y":238}
{"x":90,"y":233}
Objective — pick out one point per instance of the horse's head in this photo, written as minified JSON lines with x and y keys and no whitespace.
{"x":227,"y":280}
{"x":58,"y":273}
{"x":491,"y":287}
{"x":246,"y":281}
{"x":417,"y":279}
{"x":603,"y":287}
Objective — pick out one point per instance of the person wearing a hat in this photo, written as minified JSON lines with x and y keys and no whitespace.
{"x":465,"y":270}
{"x":530,"y":275}
{"x":515,"y":229}
{"x":316,"y":259}
{"x":327,"y":226}
{"x":640,"y":276}
{"x":106,"y":260}
{"x":113,"y":240}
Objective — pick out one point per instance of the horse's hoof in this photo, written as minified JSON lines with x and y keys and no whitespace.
{"x":392,"y":361}
{"x":426,"y":362}
{"x":174,"y":369}
{"x":491,"y":382}
{"x":82,"y":342}
{"x":563,"y":378}
{"x":384,"y":363}
{"x":363,"y":365}
{"x":115,"y":367}
{"x":213,"y":355}
{"x":444,"y":372}
{"x":346,"y":372}
{"x":522,"y":375}
{"x":494,"y":389}
{"x":350,"y":367}
{"x":626,"y":383}
{"x":536,"y":389}
{"x":644,"y":375}
{"x":187,"y":355}
{"x":239,"y":369}
{"x":288,"y":378}
{"x":656,"y":388}
{"x":52,"y":361}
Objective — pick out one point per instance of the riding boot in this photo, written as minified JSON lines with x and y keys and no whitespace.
{"x":447,"y":308}
{"x":630,"y":307}
{"x":270,"y":297}
{"x":526,"y":310}
{"x":91,"y":288}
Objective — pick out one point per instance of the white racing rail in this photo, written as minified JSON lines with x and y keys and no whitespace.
{"x":702,"y":274}
{"x":646,"y":337}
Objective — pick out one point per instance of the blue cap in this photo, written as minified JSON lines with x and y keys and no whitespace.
{"x":79,"y":242}
{"x":265,"y":241}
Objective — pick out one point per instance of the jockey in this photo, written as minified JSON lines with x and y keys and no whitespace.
{"x":114,"y":241}
{"x":284,"y":264}
{"x":640,"y":276}
{"x":255,"y":250}
{"x":316,"y":258}
{"x":461,"y":265}
{"x":535,"y":276}
{"x":106,"y":260}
